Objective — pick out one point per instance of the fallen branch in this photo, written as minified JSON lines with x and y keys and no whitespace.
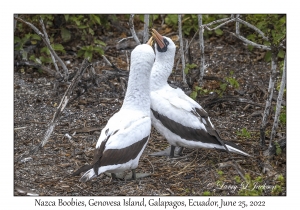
{"x":201,"y":43}
{"x":252,"y":26}
{"x":247,"y":41}
{"x":278,"y":105}
{"x":270,"y":96}
{"x":131,"y":26}
{"x":38,"y":66}
{"x":47,"y":39}
{"x":181,"y":49}
{"x":60,"y":108}
{"x":146,"y":31}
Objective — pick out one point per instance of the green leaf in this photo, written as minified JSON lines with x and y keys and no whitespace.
{"x":88,"y":55}
{"x":16,"y":39}
{"x":82,"y":26}
{"x":268,"y":56}
{"x":281,"y":54}
{"x":67,"y":17}
{"x":65,"y":34}
{"x":250,"y":47}
{"x":45,"y":59}
{"x":194,"y":95}
{"x":45,"y":50}
{"x":99,"y":50}
{"x":99,"y":42}
{"x":32,"y":58}
{"x":223,"y":86}
{"x":186,"y":70}
{"x":35,"y":36}
{"x":58,"y":47}
{"x":251,"y":37}
{"x":96,"y":19}
{"x":91,"y":31}
{"x":218,"y":31}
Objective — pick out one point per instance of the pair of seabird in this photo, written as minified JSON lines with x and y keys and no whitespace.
{"x":181,"y":120}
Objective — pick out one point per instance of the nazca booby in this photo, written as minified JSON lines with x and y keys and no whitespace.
{"x":180,"y":119}
{"x":126,"y":134}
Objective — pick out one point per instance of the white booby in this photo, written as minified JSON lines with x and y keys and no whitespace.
{"x":126,"y":134}
{"x":180,"y":119}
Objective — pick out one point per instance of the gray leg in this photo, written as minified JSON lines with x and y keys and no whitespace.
{"x":133,"y":174}
{"x":179,"y":152}
{"x":172,"y":151}
{"x":168,"y":152}
{"x":113,"y":176}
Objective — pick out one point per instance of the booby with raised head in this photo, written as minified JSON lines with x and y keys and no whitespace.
{"x":125,"y":136}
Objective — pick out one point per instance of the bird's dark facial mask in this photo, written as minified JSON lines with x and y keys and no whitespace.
{"x":162,"y":43}
{"x":165,"y":47}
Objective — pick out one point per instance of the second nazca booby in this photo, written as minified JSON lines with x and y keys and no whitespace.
{"x":180,"y":119}
{"x":125,"y":136}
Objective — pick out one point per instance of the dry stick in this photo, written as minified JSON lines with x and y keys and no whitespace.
{"x":219,"y":26}
{"x":47,"y":39}
{"x":270,"y":93}
{"x":131,"y":26}
{"x":146,"y":32}
{"x":237,"y":26}
{"x":278,"y":105}
{"x":62,"y":105}
{"x":36,"y":65}
{"x":217,"y":21}
{"x":252,"y":26}
{"x":47,"y":43}
{"x":201,"y":43}
{"x":109,"y":63}
{"x":181,"y":49}
{"x":247,"y":41}
{"x":15,"y":22}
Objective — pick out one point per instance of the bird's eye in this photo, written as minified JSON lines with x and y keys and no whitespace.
{"x":166,"y":42}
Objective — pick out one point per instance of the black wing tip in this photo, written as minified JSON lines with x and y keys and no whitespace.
{"x":82,"y":169}
{"x":238,"y":148}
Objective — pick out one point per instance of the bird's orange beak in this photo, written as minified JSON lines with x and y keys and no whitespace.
{"x":150,"y":41}
{"x":158,"y":38}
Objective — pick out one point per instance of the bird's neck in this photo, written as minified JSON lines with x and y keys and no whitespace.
{"x":137,"y":95}
{"x":160,"y":73}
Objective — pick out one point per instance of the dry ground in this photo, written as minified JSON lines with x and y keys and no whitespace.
{"x":202,"y":171}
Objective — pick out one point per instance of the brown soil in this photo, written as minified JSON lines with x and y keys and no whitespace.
{"x":48,"y":171}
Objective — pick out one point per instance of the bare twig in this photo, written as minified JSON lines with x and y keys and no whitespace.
{"x":146,"y":30}
{"x":216,"y":21}
{"x":37,"y":31}
{"x":15,"y":22}
{"x":151,"y":165}
{"x":219,"y":26}
{"x":201,"y":42}
{"x":60,"y":108}
{"x":251,"y":26}
{"x":107,"y":61}
{"x":237,"y":26}
{"x":125,"y":39}
{"x":36,"y":65}
{"x":270,"y":95}
{"x":278,"y":105}
{"x":132,"y":29}
{"x":247,"y":41}
{"x":181,"y":49}
{"x":47,"y":39}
